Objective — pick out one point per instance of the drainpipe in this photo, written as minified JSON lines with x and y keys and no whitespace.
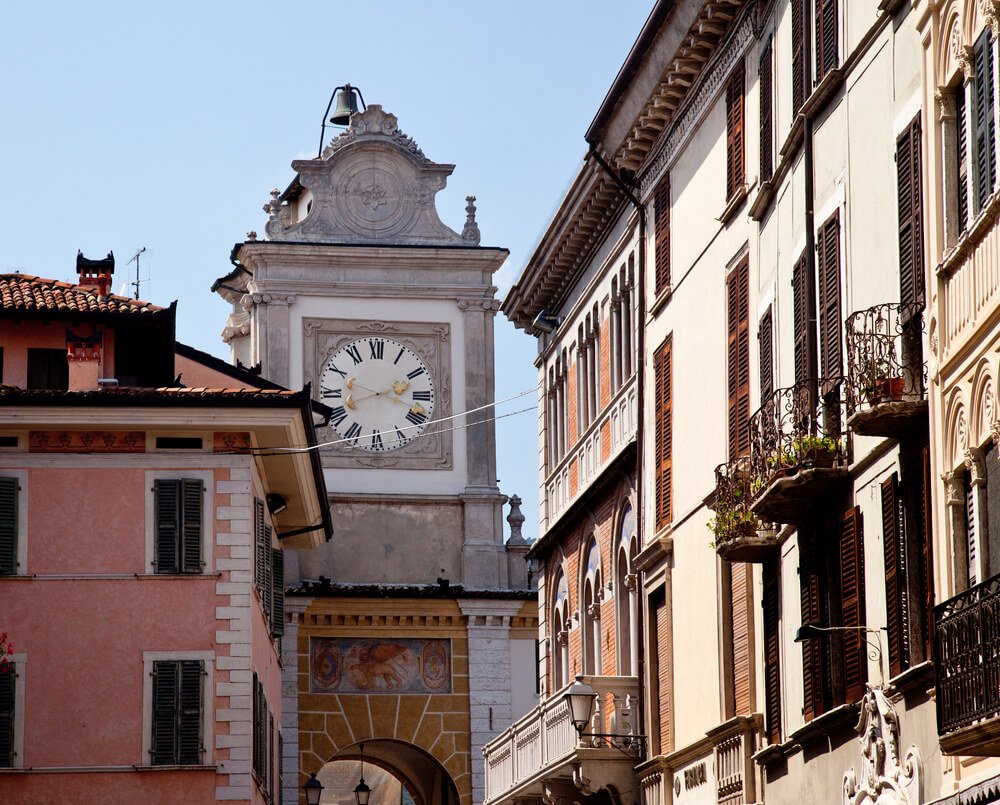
{"x":640,"y":351}
{"x":812,"y":359}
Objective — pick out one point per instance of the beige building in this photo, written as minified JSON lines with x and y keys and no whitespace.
{"x":763,"y":163}
{"x":959,"y":67}
{"x":412,"y":632}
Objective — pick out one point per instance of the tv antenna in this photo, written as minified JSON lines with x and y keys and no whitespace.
{"x":135,"y":259}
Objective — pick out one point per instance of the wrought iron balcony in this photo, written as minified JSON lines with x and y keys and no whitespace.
{"x":542,"y":752}
{"x":740,"y":536}
{"x":886,"y":376}
{"x":798,"y":449}
{"x":967,"y":670}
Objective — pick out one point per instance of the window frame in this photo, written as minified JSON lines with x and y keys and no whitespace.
{"x":18,"y":663}
{"x":207,"y":477}
{"x":21,"y":551}
{"x":149,"y":658}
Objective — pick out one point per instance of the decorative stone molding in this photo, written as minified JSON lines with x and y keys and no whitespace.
{"x":699,"y":99}
{"x":945,"y":104}
{"x":251,"y":300}
{"x":975,"y":463}
{"x":966,"y":60}
{"x":237,"y":326}
{"x":470,"y":232}
{"x":885,"y":778}
{"x":322,"y":337}
{"x":954,"y":493}
{"x":485,"y":304}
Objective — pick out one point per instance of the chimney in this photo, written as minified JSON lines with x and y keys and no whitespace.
{"x":83,"y":353}
{"x":95,"y":273}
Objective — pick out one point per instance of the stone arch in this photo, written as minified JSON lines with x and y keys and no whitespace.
{"x":591,"y":597}
{"x":956,"y":437}
{"x":559,"y":630}
{"x":422,"y":774}
{"x":982,"y":411}
{"x":626,"y":548}
{"x":950,"y":50}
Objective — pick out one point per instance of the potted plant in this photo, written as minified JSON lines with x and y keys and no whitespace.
{"x":819,"y":451}
{"x":878,"y":382}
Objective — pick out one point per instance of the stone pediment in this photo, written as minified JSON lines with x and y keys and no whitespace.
{"x":371,"y":185}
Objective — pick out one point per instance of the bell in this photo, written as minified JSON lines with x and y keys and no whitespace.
{"x":347,"y":105}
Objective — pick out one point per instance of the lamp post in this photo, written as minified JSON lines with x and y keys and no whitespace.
{"x":313,"y":789}
{"x":811,"y":631}
{"x":361,"y":791}
{"x":579,"y":698}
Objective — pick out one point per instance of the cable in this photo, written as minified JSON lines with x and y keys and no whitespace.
{"x":284,"y":451}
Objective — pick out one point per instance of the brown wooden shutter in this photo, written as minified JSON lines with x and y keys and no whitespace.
{"x":735,"y":165}
{"x":278,"y":593}
{"x":895,"y":576}
{"x":983,"y":124}
{"x":742,"y":624}
{"x":772,"y":650}
{"x":800,"y":51}
{"x":970,"y":527}
{"x":7,"y":716}
{"x":852,"y":600}
{"x":661,"y":641}
{"x":962,"y":153}
{"x":270,"y":755}
{"x":191,"y":525}
{"x":738,"y":358}
{"x":166,"y":502}
{"x":826,"y":37}
{"x":664,"y":434}
{"x":765,"y":342}
{"x":800,"y":319}
{"x":911,"y":227}
{"x":166,"y":684}
{"x":189,"y":716}
{"x":813,"y":665}
{"x":927,"y":557}
{"x":830,"y":317}
{"x":661,"y":226}
{"x":8,"y":525}
{"x":766,"y":82}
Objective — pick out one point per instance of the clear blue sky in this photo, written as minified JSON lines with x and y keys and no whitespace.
{"x":165,"y":125}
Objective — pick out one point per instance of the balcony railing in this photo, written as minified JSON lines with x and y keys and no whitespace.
{"x":967,"y":668}
{"x":797,"y":448}
{"x":740,"y":536}
{"x":886,"y":376}
{"x":544,"y":745}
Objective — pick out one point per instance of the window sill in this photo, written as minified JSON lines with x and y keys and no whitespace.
{"x":820,"y":727}
{"x":915,"y":679}
{"x":985,"y":220}
{"x":109,"y":576}
{"x":106,"y":769}
{"x":661,"y":300}
{"x":735,"y":204}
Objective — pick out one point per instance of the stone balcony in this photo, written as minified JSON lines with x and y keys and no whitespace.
{"x":541,"y":756}
{"x":740,"y":536}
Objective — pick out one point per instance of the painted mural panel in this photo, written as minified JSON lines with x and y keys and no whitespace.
{"x":379,"y":665}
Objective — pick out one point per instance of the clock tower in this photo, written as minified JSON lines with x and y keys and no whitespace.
{"x":360,"y":290}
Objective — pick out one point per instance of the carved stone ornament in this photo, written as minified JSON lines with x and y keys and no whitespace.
{"x":372,"y":184}
{"x":885,"y":778}
{"x":975,"y":463}
{"x":954,"y":488}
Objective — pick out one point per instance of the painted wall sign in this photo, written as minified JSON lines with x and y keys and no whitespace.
{"x":379,"y":665}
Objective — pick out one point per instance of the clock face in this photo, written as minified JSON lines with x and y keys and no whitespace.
{"x":381,"y":393}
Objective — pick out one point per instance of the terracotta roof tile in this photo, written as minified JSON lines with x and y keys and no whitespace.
{"x":27,"y":293}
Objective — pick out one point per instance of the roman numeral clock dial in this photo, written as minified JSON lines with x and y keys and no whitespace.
{"x":380,"y":391}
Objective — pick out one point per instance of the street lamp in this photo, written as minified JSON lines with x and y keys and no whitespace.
{"x":313,"y":789}
{"x":579,"y":698}
{"x":361,"y":791}
{"x":811,"y":631}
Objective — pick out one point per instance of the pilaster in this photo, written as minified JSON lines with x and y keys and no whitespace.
{"x":294,"y":607}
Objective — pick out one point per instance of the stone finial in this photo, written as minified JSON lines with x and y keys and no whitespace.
{"x":516,"y":520}
{"x":470,"y":232}
{"x":273,"y":206}
{"x":251,"y":236}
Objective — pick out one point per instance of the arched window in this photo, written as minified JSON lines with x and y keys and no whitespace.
{"x":559,"y":639}
{"x":591,"y":598}
{"x":627,"y":598}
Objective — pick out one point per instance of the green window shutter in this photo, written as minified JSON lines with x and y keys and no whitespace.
{"x":191,"y":525}
{"x":278,"y":593}
{"x":167,"y":494}
{"x":189,"y":715}
{"x":255,"y":724}
{"x":267,"y":587}
{"x":7,"y":683}
{"x":984,"y":132}
{"x":259,"y":562}
{"x":8,"y":525}
{"x":166,"y":683}
{"x":962,"y":155}
{"x":281,"y":766}
{"x":270,"y":754}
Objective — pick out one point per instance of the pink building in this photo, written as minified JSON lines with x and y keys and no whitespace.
{"x":142,"y":527}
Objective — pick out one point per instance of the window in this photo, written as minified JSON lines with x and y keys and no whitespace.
{"x":800,"y":319}
{"x":735,"y":164}
{"x":830,"y":321}
{"x":736,"y":625}
{"x":11,"y":713}
{"x":978,"y":548}
{"x":263,"y":737}
{"x":48,"y":369}
{"x":661,"y":229}
{"x":800,"y":53}
{"x":660,"y":672}
{"x":983,"y":122}
{"x":911,"y":226}
{"x":765,"y":78}
{"x":765,"y":342}
{"x":738,"y":358}
{"x":627,"y":597}
{"x":177,"y":737}
{"x":962,"y":155}
{"x":664,"y":434}
{"x":559,"y":640}
{"x":178,"y":504}
{"x":269,"y":572}
{"x":591,"y":595}
{"x":826,"y":38}
{"x":10,"y":521}
{"x":772,"y":650}
{"x":835,"y":664}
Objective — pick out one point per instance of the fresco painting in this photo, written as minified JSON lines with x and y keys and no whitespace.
{"x":379,"y":665}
